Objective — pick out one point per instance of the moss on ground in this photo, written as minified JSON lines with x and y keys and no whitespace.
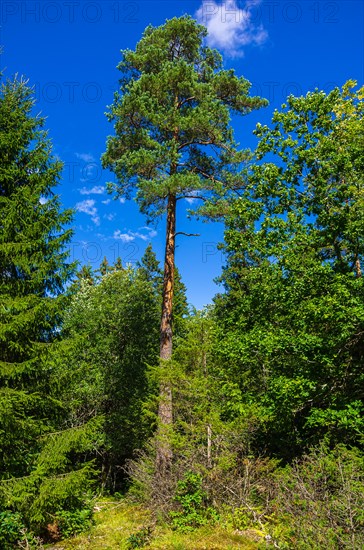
{"x":117,"y":521}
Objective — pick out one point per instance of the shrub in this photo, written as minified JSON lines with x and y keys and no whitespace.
{"x":192,"y":499}
{"x":73,"y":522}
{"x":14,"y":534}
{"x":11,"y":526}
{"x":321,"y":499}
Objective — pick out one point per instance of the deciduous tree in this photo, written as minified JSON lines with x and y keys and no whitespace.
{"x":292,"y":319}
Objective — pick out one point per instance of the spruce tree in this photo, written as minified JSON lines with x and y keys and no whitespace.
{"x":118,"y":265}
{"x":150,"y":270}
{"x":104,"y":267}
{"x":33,"y":271}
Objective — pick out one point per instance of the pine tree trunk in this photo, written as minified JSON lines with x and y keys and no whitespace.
{"x":165,"y":411}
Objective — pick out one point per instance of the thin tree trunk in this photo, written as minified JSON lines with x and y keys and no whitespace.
{"x":209,"y":432}
{"x":209,"y":463}
{"x":165,"y":411}
{"x":358,"y":268}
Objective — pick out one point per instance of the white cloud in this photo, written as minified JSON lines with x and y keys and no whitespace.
{"x":43,"y":200}
{"x":132,"y":235}
{"x":125,"y":237}
{"x":231,"y":28}
{"x":86,"y":157}
{"x":109,"y":217}
{"x":152,"y":233}
{"x":95,"y":190}
{"x":88,"y":207}
{"x":107,"y":201}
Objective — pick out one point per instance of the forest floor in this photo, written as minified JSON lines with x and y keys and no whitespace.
{"x":122,"y":526}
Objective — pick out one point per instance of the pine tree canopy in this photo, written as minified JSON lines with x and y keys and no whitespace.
{"x":172,"y":118}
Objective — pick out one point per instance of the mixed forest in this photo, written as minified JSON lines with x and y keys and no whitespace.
{"x":246,"y":417}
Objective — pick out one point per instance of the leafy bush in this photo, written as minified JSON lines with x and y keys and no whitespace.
{"x":11,"y":525}
{"x":74,"y":522}
{"x":14,"y":534}
{"x":192,"y":499}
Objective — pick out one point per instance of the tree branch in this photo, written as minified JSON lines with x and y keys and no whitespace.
{"x":187,"y":234}
{"x":207,"y":176}
{"x":194,"y":142}
{"x":183,"y":101}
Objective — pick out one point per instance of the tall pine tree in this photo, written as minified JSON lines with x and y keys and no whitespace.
{"x":174,"y":141}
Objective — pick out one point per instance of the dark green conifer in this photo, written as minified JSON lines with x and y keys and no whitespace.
{"x":86,"y":275}
{"x":118,"y":265}
{"x":104,"y":267}
{"x":33,"y":271}
{"x":149,"y":268}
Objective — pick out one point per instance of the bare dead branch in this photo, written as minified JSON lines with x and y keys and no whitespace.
{"x":187,"y":234}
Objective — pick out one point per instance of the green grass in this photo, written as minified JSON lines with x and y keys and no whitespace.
{"x":115,"y":521}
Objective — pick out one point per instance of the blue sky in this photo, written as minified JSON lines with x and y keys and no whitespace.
{"x":69,"y":51}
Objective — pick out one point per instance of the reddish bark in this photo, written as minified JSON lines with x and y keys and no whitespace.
{"x":165,"y":411}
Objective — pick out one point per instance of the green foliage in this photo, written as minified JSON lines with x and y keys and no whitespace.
{"x":73,"y":522}
{"x":192,"y":499}
{"x":213,"y":429}
{"x":150,"y":270}
{"x":173,"y":104}
{"x":11,"y":526}
{"x":212,"y":424}
{"x":33,"y":272}
{"x":140,"y":538}
{"x":44,"y":467}
{"x":100,"y":369}
{"x":290,"y":325}
{"x":320,"y":500}
{"x":39,"y":498}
